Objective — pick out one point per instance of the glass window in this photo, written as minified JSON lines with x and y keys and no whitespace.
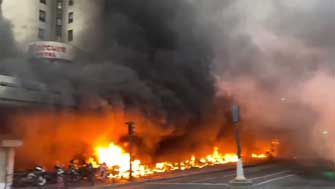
{"x":70,"y":17}
{"x":59,"y":31}
{"x":42,"y":15}
{"x":71,"y":2}
{"x":59,"y":21}
{"x":59,"y":5}
{"x":70,"y":35}
{"x":41,"y":33}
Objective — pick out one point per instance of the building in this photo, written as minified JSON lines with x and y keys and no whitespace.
{"x":73,"y":22}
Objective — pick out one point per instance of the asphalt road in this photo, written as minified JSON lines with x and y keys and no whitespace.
{"x":274,"y":175}
{"x":265,"y":176}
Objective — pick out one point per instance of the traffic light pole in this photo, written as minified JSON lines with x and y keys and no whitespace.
{"x":239,"y":165}
{"x":131,"y":127}
{"x":130,"y":157}
{"x":238,"y":141}
{"x":240,"y":178}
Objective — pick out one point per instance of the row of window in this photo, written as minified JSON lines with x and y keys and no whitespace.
{"x":41,"y":34}
{"x":43,"y":16}
{"x":71,"y":2}
{"x":59,"y":20}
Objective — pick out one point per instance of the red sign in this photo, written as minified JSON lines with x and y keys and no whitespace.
{"x":51,"y":49}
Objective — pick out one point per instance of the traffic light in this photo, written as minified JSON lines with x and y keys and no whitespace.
{"x":131,"y":128}
{"x":236,"y":113}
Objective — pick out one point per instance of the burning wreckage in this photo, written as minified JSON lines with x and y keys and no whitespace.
{"x":112,"y":164}
{"x":106,"y":155}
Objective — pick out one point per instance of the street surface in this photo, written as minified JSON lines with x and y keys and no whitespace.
{"x":274,"y":175}
{"x":265,"y":176}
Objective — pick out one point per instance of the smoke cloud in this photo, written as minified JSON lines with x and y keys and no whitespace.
{"x":155,"y":60}
{"x":275,"y":59}
{"x":182,"y":64}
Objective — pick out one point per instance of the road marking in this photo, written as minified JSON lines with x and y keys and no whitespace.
{"x":269,"y":175}
{"x":189,"y":183}
{"x":206,"y":179}
{"x":274,"y":179}
{"x":203,"y":179}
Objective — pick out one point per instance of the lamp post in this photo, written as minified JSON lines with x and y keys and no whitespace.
{"x":326,"y":133}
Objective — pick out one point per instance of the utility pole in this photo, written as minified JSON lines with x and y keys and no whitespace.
{"x":131,"y":130}
{"x":240,"y":178}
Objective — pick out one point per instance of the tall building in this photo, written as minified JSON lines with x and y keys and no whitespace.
{"x":71,"y":22}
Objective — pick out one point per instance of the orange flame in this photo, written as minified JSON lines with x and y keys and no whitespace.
{"x":259,"y":156}
{"x":117,"y":159}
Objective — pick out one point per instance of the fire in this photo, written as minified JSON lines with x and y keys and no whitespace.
{"x":259,"y":156}
{"x":113,"y":155}
{"x":117,"y":159}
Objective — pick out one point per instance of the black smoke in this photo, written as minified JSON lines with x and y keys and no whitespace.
{"x":159,"y":42}
{"x":162,"y":56}
{"x":7,"y":46}
{"x":154,"y":56}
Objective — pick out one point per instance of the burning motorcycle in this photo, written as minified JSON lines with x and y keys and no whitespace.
{"x":73,"y":173}
{"x":103,"y":172}
{"x":60,"y":174}
{"x":83,"y":172}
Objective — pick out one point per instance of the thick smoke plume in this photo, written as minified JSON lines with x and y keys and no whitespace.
{"x":181,"y":63}
{"x":155,"y":61}
{"x":276,"y":59}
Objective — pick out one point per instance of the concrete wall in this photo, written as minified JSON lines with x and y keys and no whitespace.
{"x":3,"y":161}
{"x":7,"y":158}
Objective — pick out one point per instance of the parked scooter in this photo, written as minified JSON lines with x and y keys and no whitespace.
{"x":37,"y":177}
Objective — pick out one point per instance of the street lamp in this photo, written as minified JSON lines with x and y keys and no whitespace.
{"x":326,"y":133}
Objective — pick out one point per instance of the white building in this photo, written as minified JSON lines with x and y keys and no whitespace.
{"x":74,"y":22}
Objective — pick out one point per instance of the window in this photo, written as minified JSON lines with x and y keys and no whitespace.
{"x":70,"y":35}
{"x":70,"y":17}
{"x":59,"y":21}
{"x":71,"y":2}
{"x":41,"y":33}
{"x":43,"y":1}
{"x":59,"y":5}
{"x":59,"y":31}
{"x":42,"y":15}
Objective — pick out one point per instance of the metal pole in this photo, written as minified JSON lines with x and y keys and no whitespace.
{"x":130,"y":134}
{"x":130,"y":157}
{"x":238,"y":142}
{"x":239,"y":164}
{"x":333,"y":157}
{"x":240,"y":178}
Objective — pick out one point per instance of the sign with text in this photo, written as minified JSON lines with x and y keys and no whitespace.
{"x":51,"y":50}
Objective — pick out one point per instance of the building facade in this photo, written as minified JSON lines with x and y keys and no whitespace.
{"x":74,"y":22}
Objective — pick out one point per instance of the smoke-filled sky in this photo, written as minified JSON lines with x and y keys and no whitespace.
{"x":176,"y":59}
{"x":276,"y":59}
